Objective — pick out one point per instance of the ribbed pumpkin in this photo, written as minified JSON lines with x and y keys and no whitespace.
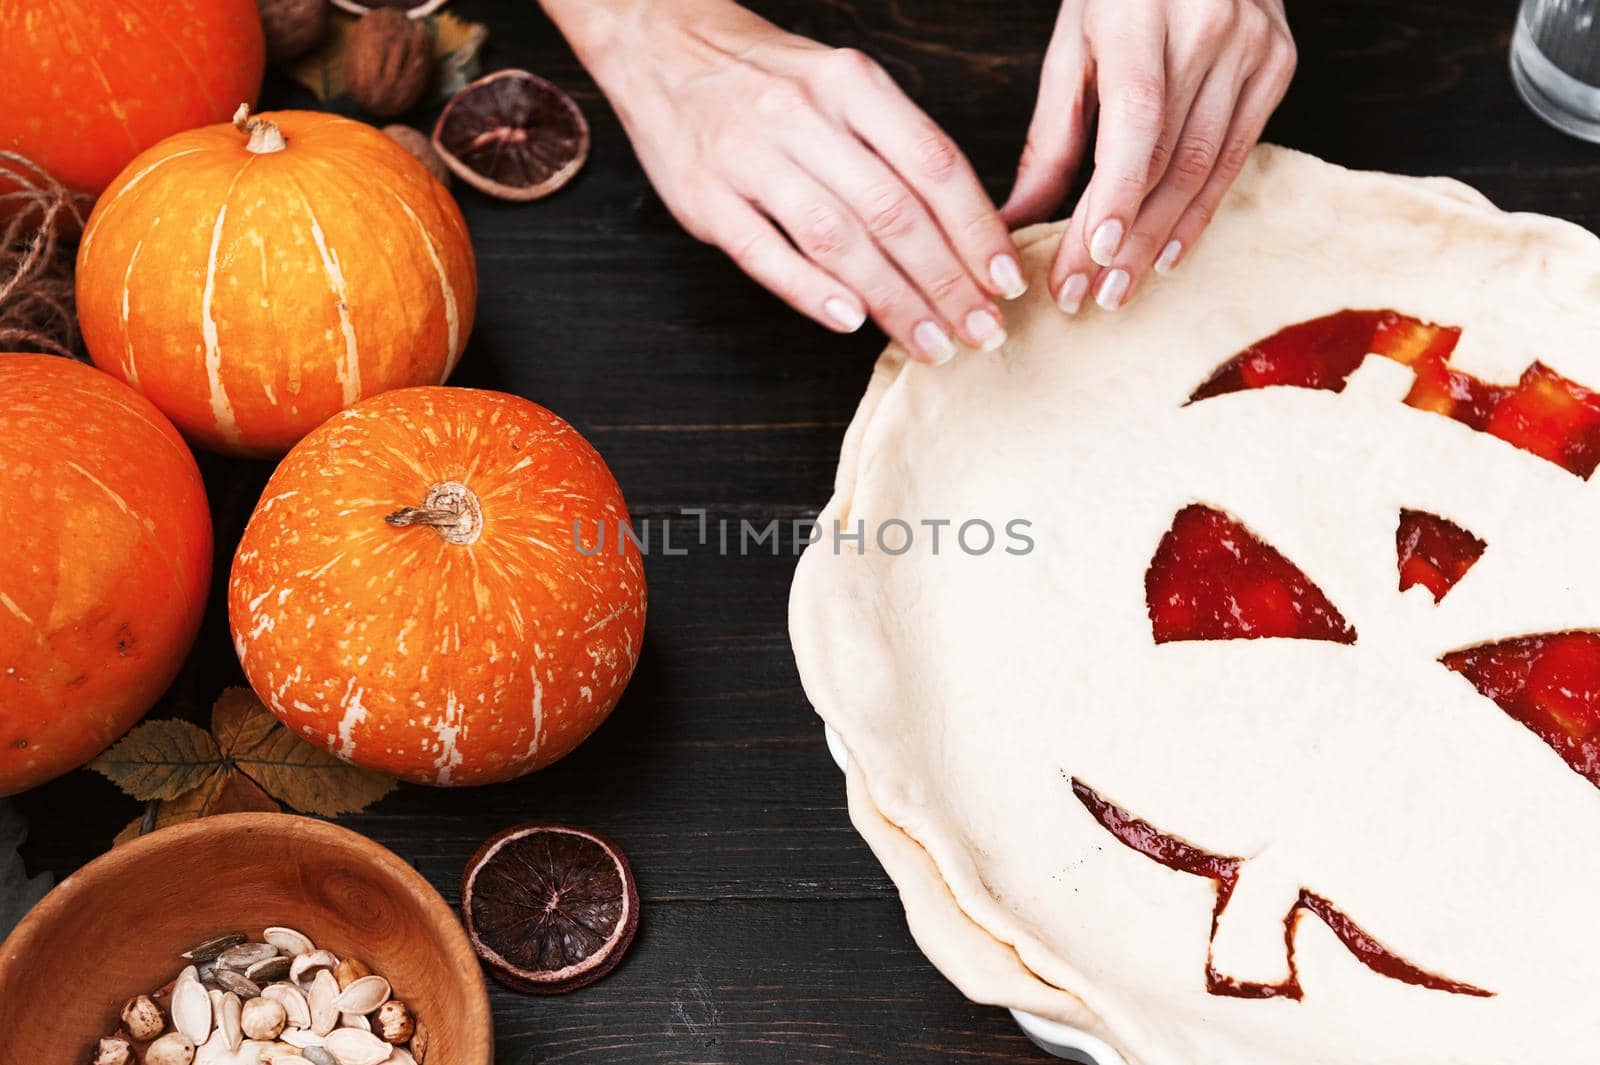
{"x":254,"y":278}
{"x":85,"y":85}
{"x":106,"y":564}
{"x":410,"y":592}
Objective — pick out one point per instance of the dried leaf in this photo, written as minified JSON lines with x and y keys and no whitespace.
{"x":290,"y":769}
{"x":227,"y":791}
{"x":160,"y":760}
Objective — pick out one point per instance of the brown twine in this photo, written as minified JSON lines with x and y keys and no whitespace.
{"x":36,"y":259}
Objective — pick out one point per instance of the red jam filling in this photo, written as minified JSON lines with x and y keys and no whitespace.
{"x":1212,"y":579}
{"x":1433,"y":552}
{"x":1183,"y":857}
{"x":1550,"y":683}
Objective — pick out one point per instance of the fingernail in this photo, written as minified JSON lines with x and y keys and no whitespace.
{"x":1072,"y":293}
{"x":1007,"y":276}
{"x":986,"y":328}
{"x":1168,"y":257}
{"x":1105,"y":242}
{"x":933,"y":341}
{"x":1113,"y":288}
{"x":844,"y":314}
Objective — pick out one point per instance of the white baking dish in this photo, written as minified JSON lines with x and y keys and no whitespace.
{"x":1061,"y":1040}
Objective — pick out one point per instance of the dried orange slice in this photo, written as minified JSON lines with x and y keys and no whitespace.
{"x":549,"y":908}
{"x":513,"y":135}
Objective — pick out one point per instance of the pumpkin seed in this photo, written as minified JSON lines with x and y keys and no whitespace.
{"x":300,"y":1038}
{"x":324,"y":989}
{"x":289,"y":941}
{"x":208,"y":949}
{"x":352,"y":1046}
{"x":293,"y":1001}
{"x":363,"y":995}
{"x":309,"y":962}
{"x":191,"y":1006}
{"x":243,"y":955}
{"x":228,"y":1012}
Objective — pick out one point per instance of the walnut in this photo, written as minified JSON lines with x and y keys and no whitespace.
{"x":293,"y":27}
{"x":387,"y":62}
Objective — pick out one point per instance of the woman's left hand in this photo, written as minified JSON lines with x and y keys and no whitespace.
{"x":1183,"y":89}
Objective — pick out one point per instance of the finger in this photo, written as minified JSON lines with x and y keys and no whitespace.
{"x":929,"y":162}
{"x":1257,"y":100}
{"x":1073,"y":270}
{"x":1149,"y":244}
{"x":763,"y":253}
{"x":1059,"y":129}
{"x":1132,"y":89}
{"x":827,"y":231}
{"x":900,"y":223}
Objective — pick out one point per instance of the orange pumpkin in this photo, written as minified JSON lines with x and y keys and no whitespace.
{"x":253,"y":279}
{"x":88,"y":84}
{"x":106,"y":566}
{"x":410,"y":592}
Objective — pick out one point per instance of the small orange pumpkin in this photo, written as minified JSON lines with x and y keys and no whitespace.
{"x":106,"y":565}
{"x":410,"y":592}
{"x":87,"y":84}
{"x":253,"y":279}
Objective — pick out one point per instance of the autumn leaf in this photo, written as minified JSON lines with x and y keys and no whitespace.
{"x":249,"y":762}
{"x":227,"y":791}
{"x":290,"y":769}
{"x":160,"y":760}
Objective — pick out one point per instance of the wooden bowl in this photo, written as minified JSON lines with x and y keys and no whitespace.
{"x":115,"y":928}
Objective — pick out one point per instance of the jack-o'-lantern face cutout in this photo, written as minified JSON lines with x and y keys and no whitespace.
{"x":1211,"y":578}
{"x":1298,"y":697}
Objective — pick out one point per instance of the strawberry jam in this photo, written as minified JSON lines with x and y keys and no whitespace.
{"x":1212,"y":579}
{"x":1549,"y":683}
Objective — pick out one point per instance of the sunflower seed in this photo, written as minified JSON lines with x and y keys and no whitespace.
{"x":363,"y":995}
{"x":293,"y":1001}
{"x":241,"y":957}
{"x":305,"y":963}
{"x":289,"y":941}
{"x":269,"y":970}
{"x":207,"y":949}
{"x":238,"y":983}
{"x":355,"y":1047}
{"x":191,"y":1006}
{"x":324,"y":989}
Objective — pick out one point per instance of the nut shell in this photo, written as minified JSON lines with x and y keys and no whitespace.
{"x":292,"y":27}
{"x":393,"y":1022}
{"x":142,"y":1018}
{"x":416,"y":143}
{"x":174,"y":1048}
{"x":388,"y":62}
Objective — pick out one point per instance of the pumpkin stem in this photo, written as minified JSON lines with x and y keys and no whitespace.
{"x":265,"y":136}
{"x":451,"y":509}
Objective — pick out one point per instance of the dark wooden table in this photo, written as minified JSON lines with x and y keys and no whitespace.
{"x":770,"y":934}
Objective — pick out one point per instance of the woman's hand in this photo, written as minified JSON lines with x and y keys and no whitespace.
{"x":807,"y":165}
{"x":1183,"y":89}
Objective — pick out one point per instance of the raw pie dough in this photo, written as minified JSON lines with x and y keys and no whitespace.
{"x":971,"y":690}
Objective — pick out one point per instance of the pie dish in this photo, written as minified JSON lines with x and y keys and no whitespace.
{"x":1274,"y":734}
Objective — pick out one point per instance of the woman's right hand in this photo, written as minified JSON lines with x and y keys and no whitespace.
{"x":808,"y":166}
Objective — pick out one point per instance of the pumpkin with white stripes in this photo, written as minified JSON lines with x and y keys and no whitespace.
{"x":440,"y":584}
{"x":254,"y":278}
{"x":107,"y":562}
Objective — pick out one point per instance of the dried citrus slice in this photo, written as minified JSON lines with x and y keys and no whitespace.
{"x":513,"y":135}
{"x":549,"y":908}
